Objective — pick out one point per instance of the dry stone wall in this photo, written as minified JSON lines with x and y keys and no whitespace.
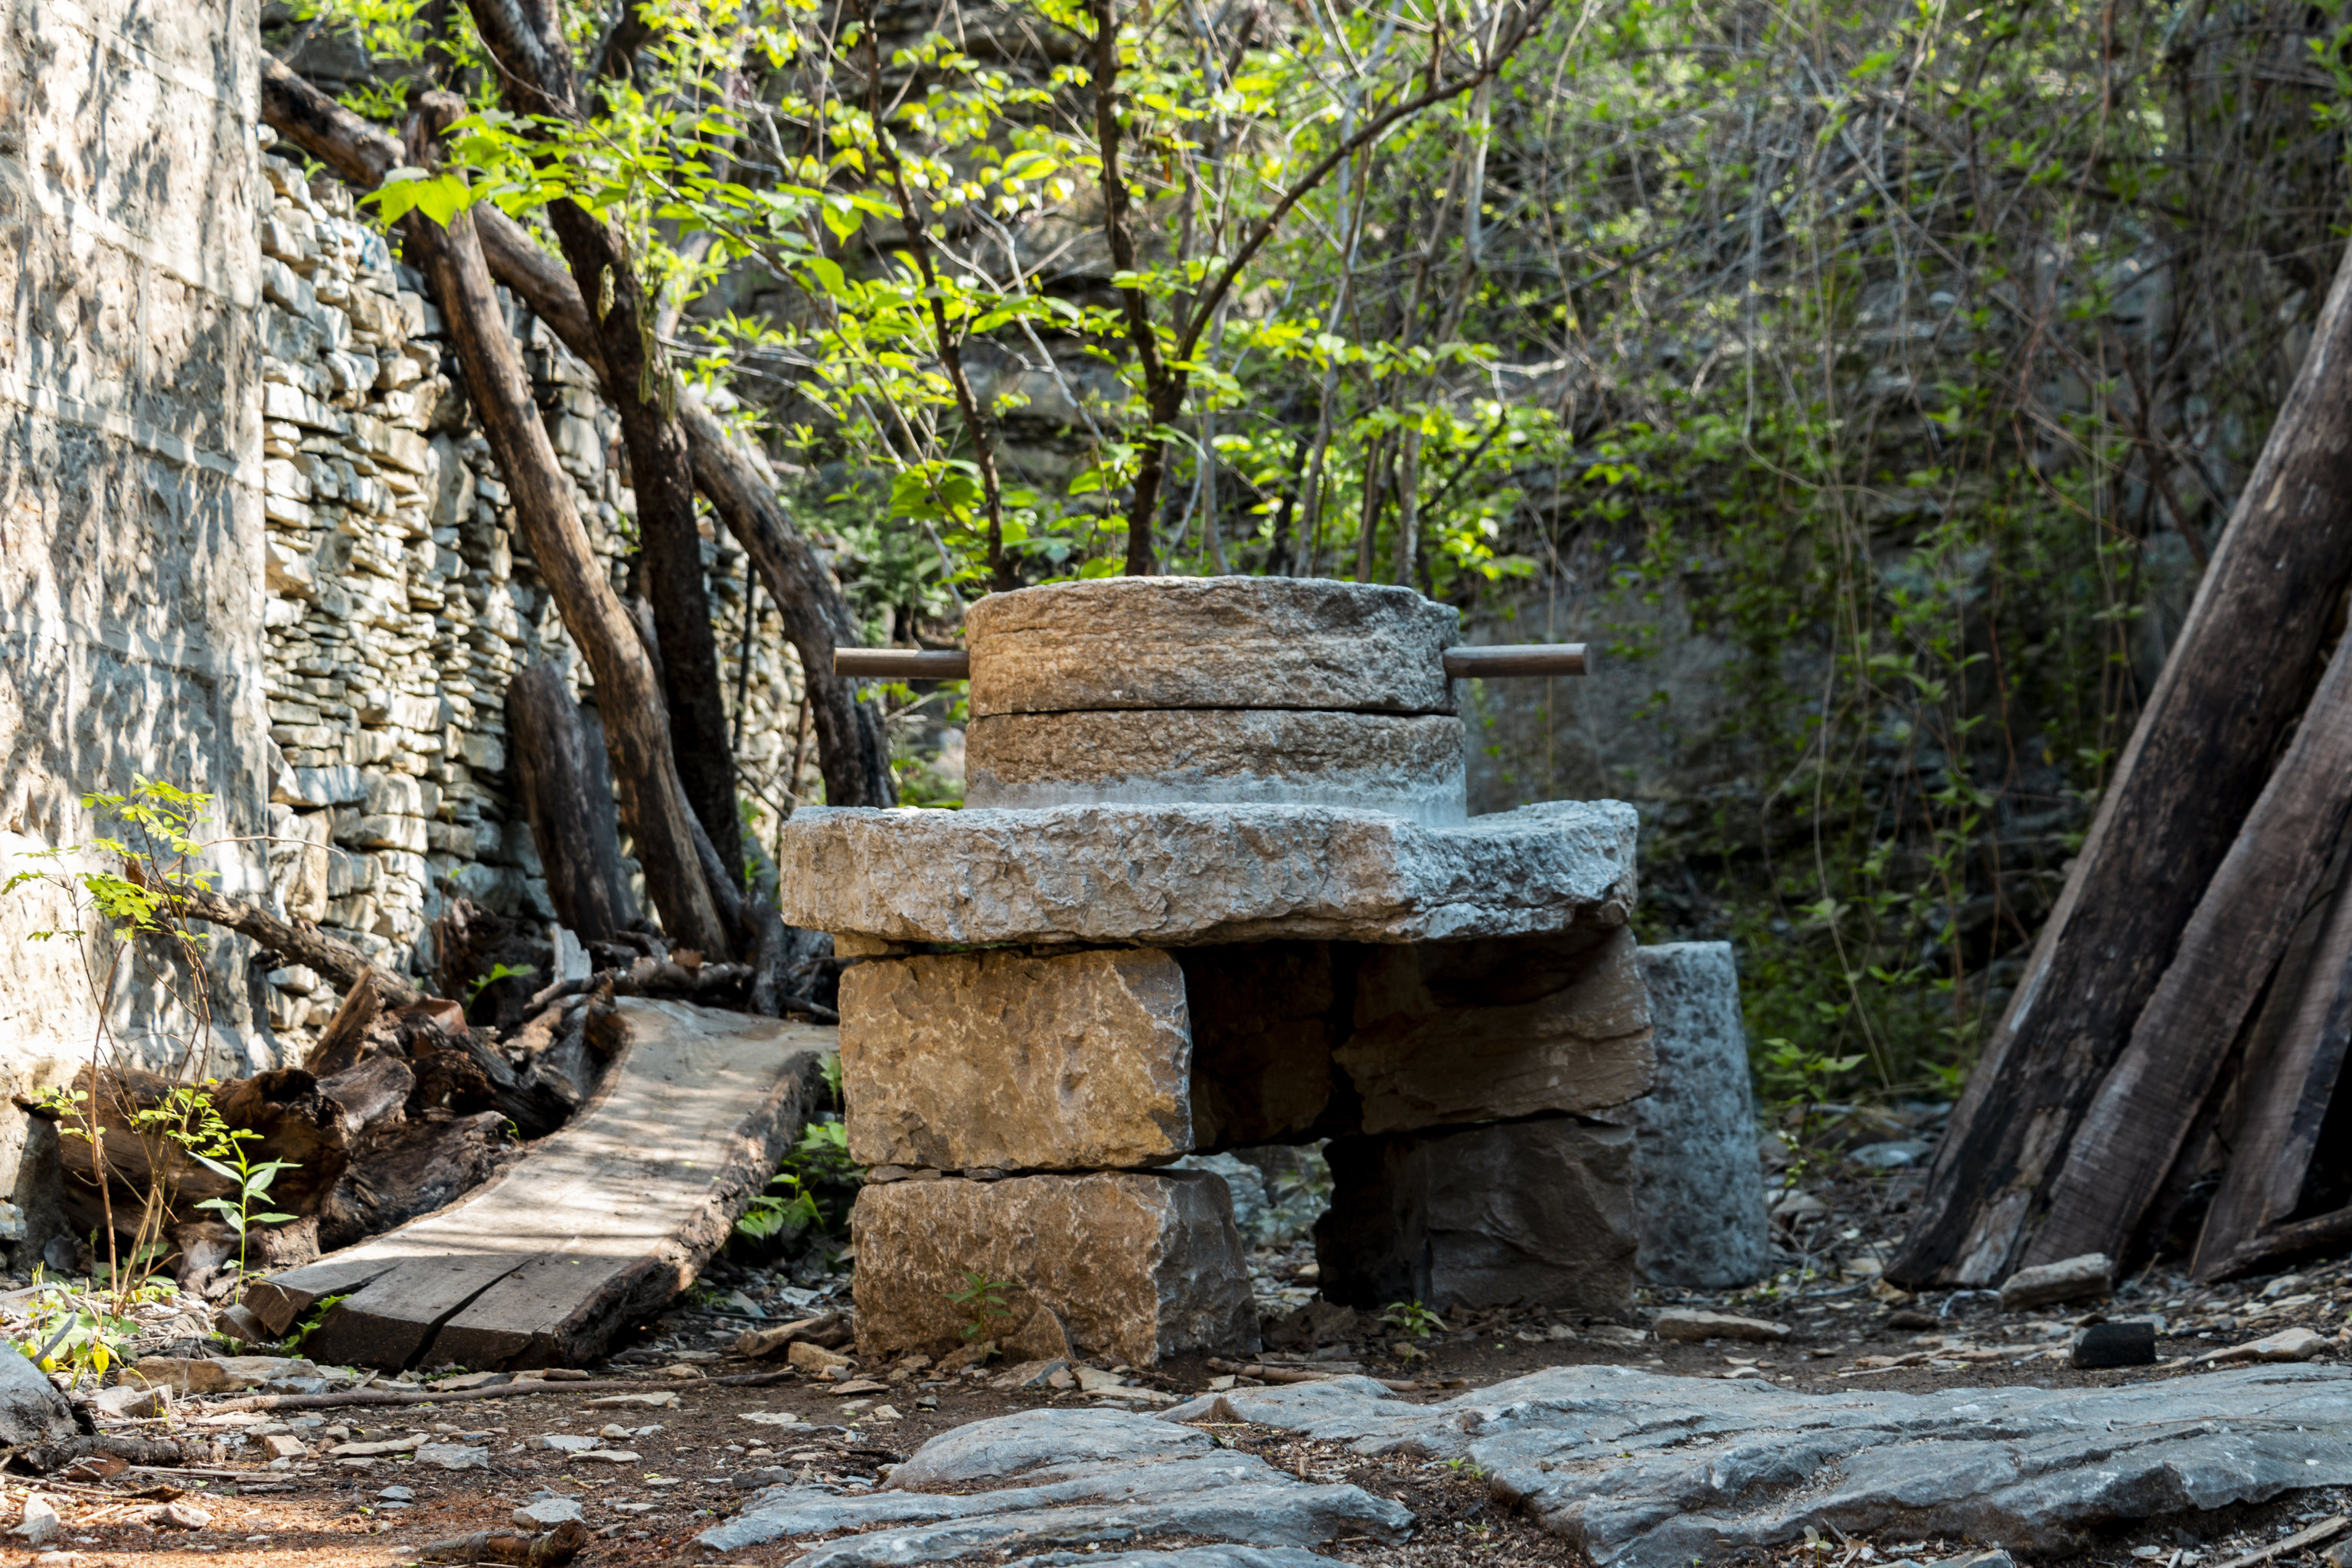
{"x":401,"y":599}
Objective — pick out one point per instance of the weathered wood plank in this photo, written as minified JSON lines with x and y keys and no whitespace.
{"x":2202,"y":751}
{"x":2134,"y":1128}
{"x":573,"y":820}
{"x":600,"y":1223}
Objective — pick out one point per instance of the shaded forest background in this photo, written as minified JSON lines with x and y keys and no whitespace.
{"x":1908,"y":358}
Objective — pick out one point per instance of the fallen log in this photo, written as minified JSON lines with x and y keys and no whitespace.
{"x":521,"y":1386}
{"x":601,"y":1223}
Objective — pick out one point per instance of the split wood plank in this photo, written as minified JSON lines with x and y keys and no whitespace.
{"x":2135,"y":1125}
{"x":2198,"y":760}
{"x":600,"y":1224}
{"x":570,"y":803}
{"x":2280,"y":1132}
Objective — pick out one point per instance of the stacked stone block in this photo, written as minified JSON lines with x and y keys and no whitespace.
{"x":1222,"y":890}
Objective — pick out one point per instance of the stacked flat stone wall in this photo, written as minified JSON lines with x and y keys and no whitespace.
{"x":401,"y":599}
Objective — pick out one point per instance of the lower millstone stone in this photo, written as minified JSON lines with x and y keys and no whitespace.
{"x":1412,"y":765}
{"x":1540,"y":1213}
{"x":1699,"y":1184}
{"x":1017,"y":1062}
{"x":1137,"y":1266}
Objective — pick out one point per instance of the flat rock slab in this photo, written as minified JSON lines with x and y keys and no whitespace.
{"x":1136,"y":1266}
{"x":596,"y":1226}
{"x":1172,"y":874}
{"x":1534,"y":1211}
{"x":1409,"y":764}
{"x":1698,"y":1185}
{"x":1045,"y":1478}
{"x":1451,"y":1033}
{"x":1017,"y":1061}
{"x":1651,"y":1471}
{"x":1210,"y":642}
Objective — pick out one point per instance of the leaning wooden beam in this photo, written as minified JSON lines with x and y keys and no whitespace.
{"x":2135,"y":1127}
{"x":2233,"y":688}
{"x":852,"y":751}
{"x":571,"y":809}
{"x":637,"y":726}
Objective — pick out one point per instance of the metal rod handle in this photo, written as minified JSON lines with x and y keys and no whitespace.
{"x":953,"y":664}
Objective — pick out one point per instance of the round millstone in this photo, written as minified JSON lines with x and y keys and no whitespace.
{"x":1210,"y":642}
{"x":1408,"y":764}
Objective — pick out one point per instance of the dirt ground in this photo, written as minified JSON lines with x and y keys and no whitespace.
{"x":1847,"y":1329}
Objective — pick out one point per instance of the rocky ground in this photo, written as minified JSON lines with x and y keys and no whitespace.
{"x":689,"y":1449}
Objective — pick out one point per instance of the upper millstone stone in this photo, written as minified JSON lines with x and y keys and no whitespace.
{"x":1177,"y":874}
{"x":1210,"y":642}
{"x":1411,"y":764}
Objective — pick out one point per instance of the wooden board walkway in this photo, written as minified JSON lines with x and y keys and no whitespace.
{"x":599,"y":1225}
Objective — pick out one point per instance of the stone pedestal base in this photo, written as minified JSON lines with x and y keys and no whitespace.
{"x":1537,"y":1212}
{"x":1698,"y":1186}
{"x":1136,"y":1265}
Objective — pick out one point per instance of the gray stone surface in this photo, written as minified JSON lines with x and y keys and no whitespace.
{"x":1017,"y":1061}
{"x":1451,"y":1033}
{"x":1063,"y":1478}
{"x":1537,"y":1212}
{"x":33,"y":1413}
{"x":1135,"y":1265}
{"x":1699,"y":1184}
{"x":1175,"y":874}
{"x":1210,"y":642}
{"x":1182,"y":1557}
{"x":1409,"y":764}
{"x":1644,"y":1470}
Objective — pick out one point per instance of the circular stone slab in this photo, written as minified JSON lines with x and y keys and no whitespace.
{"x":1178,"y":874}
{"x":1210,"y":642}
{"x":1408,"y":764}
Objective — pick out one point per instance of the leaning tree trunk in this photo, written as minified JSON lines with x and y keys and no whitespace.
{"x":852,"y":751}
{"x":572,"y":819}
{"x":630,"y":699}
{"x":2237,"y":680}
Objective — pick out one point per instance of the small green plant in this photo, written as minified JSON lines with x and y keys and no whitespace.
{"x":72,"y":1333}
{"x":310,"y":1324}
{"x":1412,"y":1318}
{"x":252,"y":1186}
{"x":499,"y":972}
{"x":771,"y":1213}
{"x":983,"y":1300}
{"x":1798,"y":1079}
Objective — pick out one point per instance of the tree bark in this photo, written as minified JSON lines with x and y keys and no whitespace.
{"x":636,"y":718}
{"x":853,"y":754}
{"x":298,"y":940}
{"x":2134,"y":1130}
{"x":2200,"y":757}
{"x":572,"y":822}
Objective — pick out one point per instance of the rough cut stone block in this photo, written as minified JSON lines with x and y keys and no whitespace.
{"x":1410,"y":764}
{"x":1137,"y":1266}
{"x":2068,"y":1280}
{"x":1698,"y":1185}
{"x":1210,"y":642}
{"x":1448,"y":1033}
{"x":1535,"y":1212}
{"x":1266,"y":1017}
{"x":1016,"y":1061}
{"x":1177,"y":874}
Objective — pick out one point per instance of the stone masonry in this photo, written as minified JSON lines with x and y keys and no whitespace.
{"x":1222,"y":943}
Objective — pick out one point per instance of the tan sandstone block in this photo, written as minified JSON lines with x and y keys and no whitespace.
{"x":1449,"y":1033}
{"x":1136,"y":1265}
{"x":1210,"y":642}
{"x":1408,"y":764}
{"x":1016,"y":1061}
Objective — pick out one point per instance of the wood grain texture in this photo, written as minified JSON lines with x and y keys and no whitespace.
{"x":572,"y":821}
{"x":598,"y":1225}
{"x":2199,"y":759}
{"x":2136,"y":1126}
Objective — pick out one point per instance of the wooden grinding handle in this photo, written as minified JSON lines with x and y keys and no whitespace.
{"x":951,"y":664}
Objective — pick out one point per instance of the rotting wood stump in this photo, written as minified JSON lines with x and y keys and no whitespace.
{"x":601,"y":1223}
{"x":1216,"y":845}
